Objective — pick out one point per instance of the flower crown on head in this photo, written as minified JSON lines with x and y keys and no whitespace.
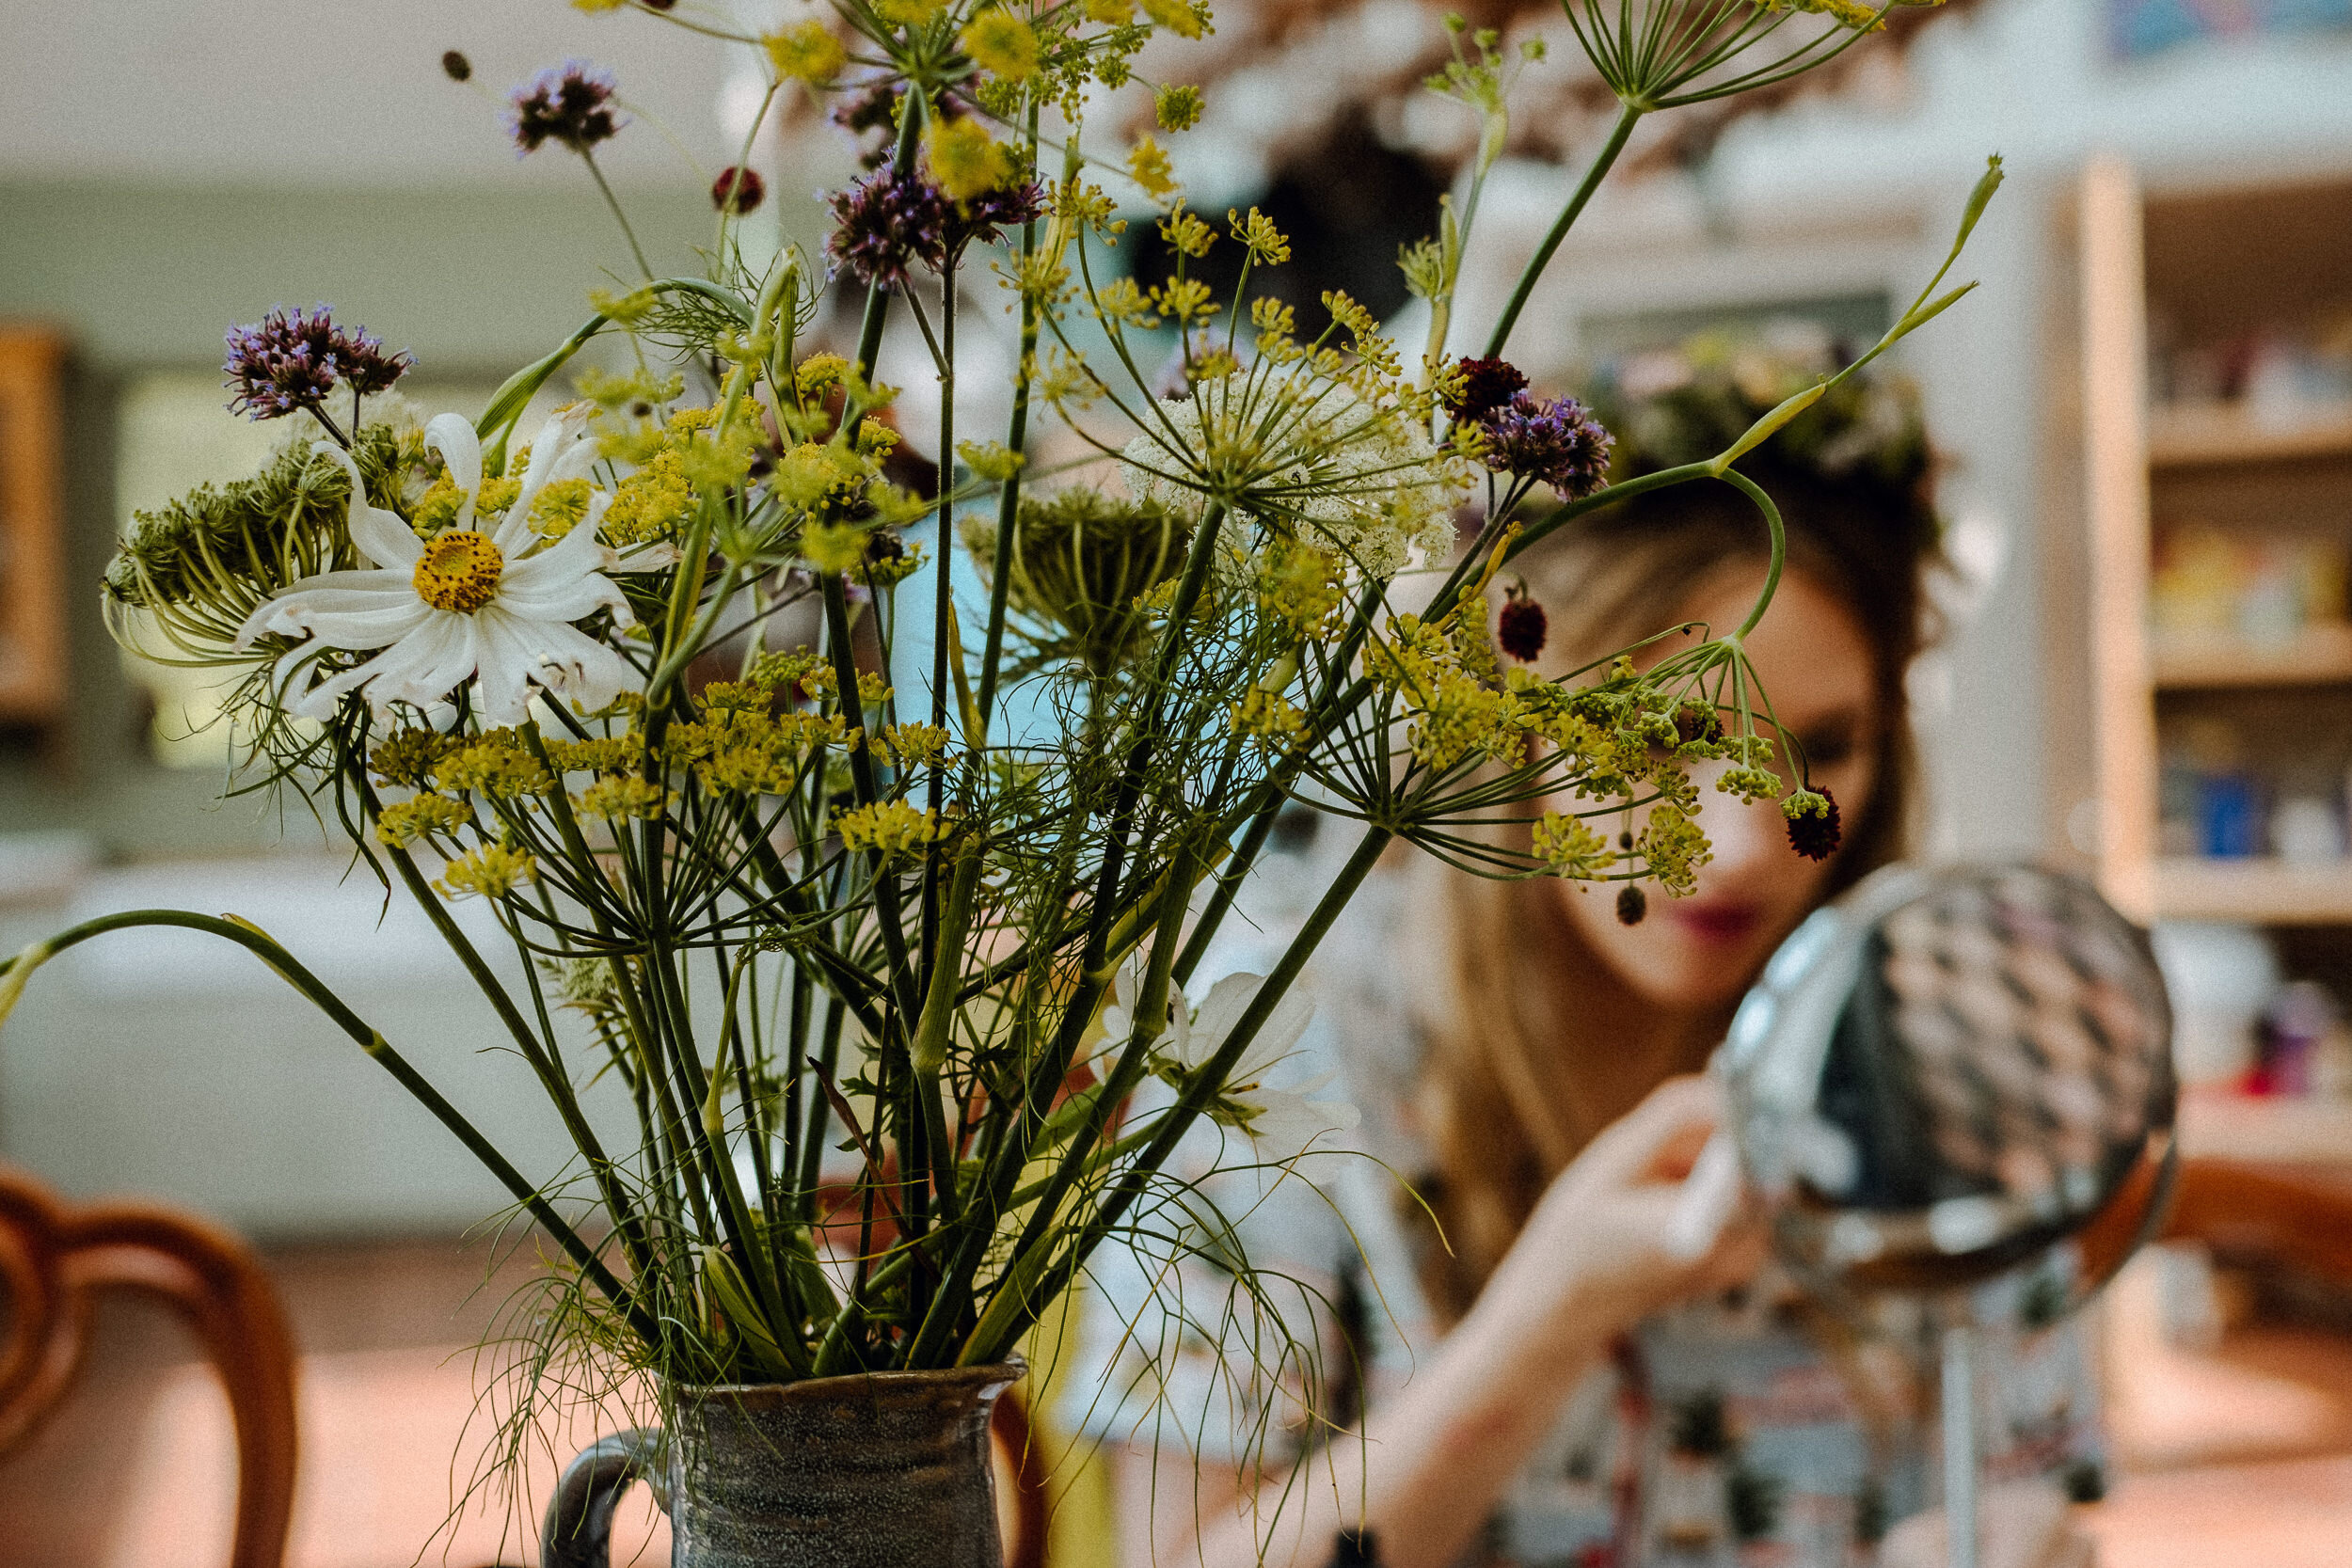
{"x":1683,"y":403}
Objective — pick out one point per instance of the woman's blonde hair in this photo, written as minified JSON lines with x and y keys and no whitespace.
{"x":1504,"y":1098}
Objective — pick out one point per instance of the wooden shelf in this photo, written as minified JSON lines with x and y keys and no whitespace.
{"x":2230,"y":1126}
{"x":2265,"y":891}
{"x":2319,"y":655}
{"x":2222,"y":434}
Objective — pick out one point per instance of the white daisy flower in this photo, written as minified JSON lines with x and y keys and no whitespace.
{"x":462,"y":604}
{"x":1280,"y":1121}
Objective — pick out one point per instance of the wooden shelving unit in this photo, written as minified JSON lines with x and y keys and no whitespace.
{"x":2322,"y":656}
{"x":2223,"y":435}
{"x":2257,"y":892}
{"x":2218,"y":265}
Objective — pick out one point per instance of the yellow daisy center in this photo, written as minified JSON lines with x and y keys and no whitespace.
{"x":460,"y":571}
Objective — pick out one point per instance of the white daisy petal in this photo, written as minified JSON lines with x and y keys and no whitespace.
{"x":506,"y":664}
{"x":369,"y":626}
{"x":380,"y":536}
{"x":441,"y":653}
{"x":574,"y":555}
{"x":453,"y":436}
{"x":570,"y":601}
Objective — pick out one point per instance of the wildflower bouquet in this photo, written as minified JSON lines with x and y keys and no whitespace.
{"x":811,"y":902}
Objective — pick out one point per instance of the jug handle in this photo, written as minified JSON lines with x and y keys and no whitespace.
{"x":578,"y":1529}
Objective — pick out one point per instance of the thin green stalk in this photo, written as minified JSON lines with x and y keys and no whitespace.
{"x":1010,"y":1314}
{"x":604,"y":189}
{"x":1628,"y":117}
{"x":319,"y":995}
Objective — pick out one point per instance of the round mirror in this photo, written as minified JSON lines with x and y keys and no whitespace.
{"x":1948,"y":1072}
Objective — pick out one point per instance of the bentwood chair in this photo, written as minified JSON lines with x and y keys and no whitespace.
{"x":55,"y":1257}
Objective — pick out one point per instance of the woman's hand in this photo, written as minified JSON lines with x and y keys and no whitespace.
{"x":1599,"y":1252}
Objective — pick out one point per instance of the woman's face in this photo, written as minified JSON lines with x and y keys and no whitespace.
{"x":1702,"y":951}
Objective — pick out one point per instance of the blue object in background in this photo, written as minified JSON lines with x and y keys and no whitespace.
{"x":2137,"y":27}
{"x":2229,"y":816}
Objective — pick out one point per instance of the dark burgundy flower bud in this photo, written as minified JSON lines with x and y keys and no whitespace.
{"x":738,"y":191}
{"x":1698,"y":721}
{"x":1632,"y":904}
{"x":457,"y":67}
{"x":1522,"y":627}
{"x":1814,"y":831}
{"x":1483,"y":386}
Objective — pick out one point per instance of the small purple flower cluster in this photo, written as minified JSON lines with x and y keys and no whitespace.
{"x":984,"y":219}
{"x":1555,"y":441}
{"x":570,"y":104}
{"x":290,"y":360}
{"x":887,"y":222}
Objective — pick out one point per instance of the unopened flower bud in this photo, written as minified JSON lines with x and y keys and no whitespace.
{"x":455,"y":66}
{"x":1632,"y":904}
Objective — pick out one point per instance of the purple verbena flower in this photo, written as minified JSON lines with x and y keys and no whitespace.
{"x":989,"y":213}
{"x":570,"y":104}
{"x":1555,"y":441}
{"x":290,"y":360}
{"x":885,"y":222}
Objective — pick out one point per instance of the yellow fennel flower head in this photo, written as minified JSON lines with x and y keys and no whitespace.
{"x":493,"y":871}
{"x":405,"y":757}
{"x":888,"y":828}
{"x":1112,"y":13}
{"x":650,"y":504}
{"x":805,"y":52}
{"x":619,"y":799}
{"x":627,"y":308}
{"x":1177,"y":16}
{"x":1149,"y":167}
{"x":907,"y":13}
{"x":1000,"y":41}
{"x":403,"y":822}
{"x":819,"y":373}
{"x":990,"y":460}
{"x":914,"y":745}
{"x":1568,"y":847}
{"x":964,"y":159}
{"x":833,"y":547}
{"x":559,"y":506}
{"x":1177,"y":108}
{"x":1266,"y":716}
{"x":494,"y":763}
{"x":875,"y":438}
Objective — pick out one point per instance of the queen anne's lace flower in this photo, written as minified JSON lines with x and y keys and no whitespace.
{"x":462,"y":605}
{"x":1347,"y":475}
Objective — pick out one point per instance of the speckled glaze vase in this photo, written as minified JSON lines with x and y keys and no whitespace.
{"x":875,"y":1470}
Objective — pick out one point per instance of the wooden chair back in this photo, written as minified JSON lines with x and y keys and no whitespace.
{"x":54,"y":1256}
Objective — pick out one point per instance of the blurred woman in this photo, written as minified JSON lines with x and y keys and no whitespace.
{"x":1512,"y":1365}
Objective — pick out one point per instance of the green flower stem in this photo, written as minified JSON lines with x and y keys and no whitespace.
{"x":319,"y":995}
{"x":1009,"y":1313}
{"x":558,"y":1088}
{"x":604,"y":190}
{"x":1755,"y":492}
{"x":1009,"y":499}
{"x":943,"y":611}
{"x":1149,"y":1015}
{"x":892,"y":918}
{"x":869,"y":332}
{"x":811,"y":1149}
{"x":1628,"y":117}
